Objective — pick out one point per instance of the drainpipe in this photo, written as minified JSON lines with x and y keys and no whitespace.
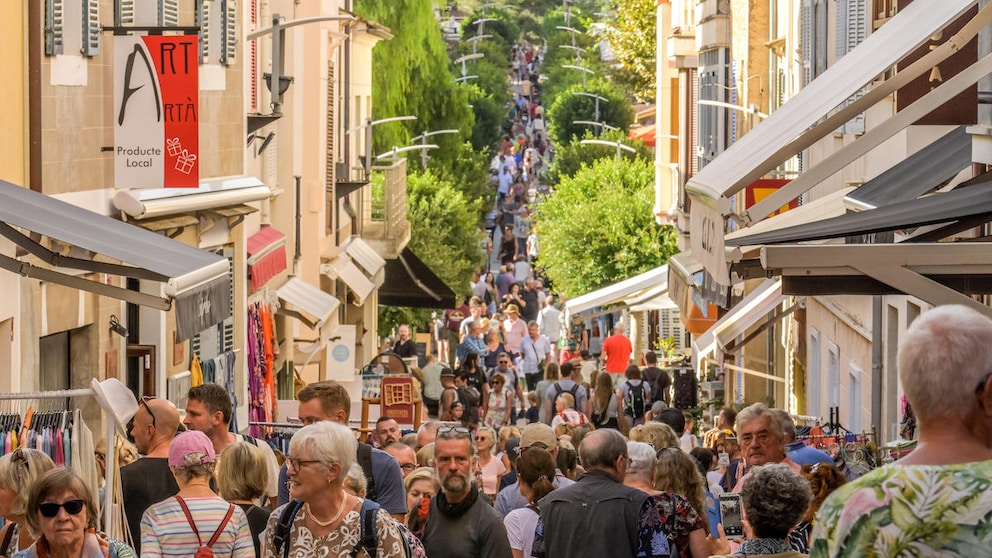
{"x":35,"y":46}
{"x":876,"y":361}
{"x":299,"y":218}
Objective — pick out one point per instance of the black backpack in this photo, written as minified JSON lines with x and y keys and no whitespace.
{"x":469,"y":397}
{"x":369,"y":539}
{"x":574,"y":391}
{"x":633,"y":404}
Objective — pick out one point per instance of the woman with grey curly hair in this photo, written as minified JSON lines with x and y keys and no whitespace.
{"x":775,"y":498}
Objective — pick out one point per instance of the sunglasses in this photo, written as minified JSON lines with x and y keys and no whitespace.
{"x":144,"y":401}
{"x":51,"y":509}
{"x":455,"y":429}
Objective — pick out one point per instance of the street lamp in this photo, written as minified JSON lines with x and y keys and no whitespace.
{"x":594,"y":96}
{"x":571,"y":30}
{"x":424,"y":157}
{"x":369,"y":123}
{"x":394,"y":153}
{"x":617,"y":144}
{"x":462,"y":60}
{"x":475,"y":41}
{"x":598,"y":125}
{"x":582,"y":68}
{"x":278,"y":32}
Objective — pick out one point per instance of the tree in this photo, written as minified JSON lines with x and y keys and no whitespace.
{"x":572,"y":157}
{"x":597,"y":228}
{"x":568,"y":108}
{"x":411,"y":76}
{"x":632,"y":38}
{"x":444,"y":234}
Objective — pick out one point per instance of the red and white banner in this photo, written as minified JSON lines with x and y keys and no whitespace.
{"x":156,"y":129}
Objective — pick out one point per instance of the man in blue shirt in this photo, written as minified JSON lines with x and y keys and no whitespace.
{"x":322,"y":401}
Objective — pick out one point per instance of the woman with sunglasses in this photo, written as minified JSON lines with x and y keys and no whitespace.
{"x":329,"y":521}
{"x":62,"y":511}
{"x":196,"y":516}
{"x":18,"y":472}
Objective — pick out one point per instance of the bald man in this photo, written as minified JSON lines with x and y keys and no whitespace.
{"x":149,"y":479}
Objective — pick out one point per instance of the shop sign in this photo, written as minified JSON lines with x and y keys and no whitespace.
{"x":706,"y":232}
{"x":156,"y":130}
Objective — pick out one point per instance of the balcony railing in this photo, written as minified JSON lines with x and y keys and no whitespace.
{"x":384,"y":216}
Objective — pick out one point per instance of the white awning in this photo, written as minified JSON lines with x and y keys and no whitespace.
{"x":633,"y":288}
{"x":651,"y":299}
{"x":788,"y":130}
{"x":306,"y":303}
{"x":757,"y":304}
{"x":217,"y":192}
{"x":344,"y":268}
{"x":366,"y":257}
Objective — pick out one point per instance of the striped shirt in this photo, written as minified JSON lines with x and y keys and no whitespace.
{"x":166,"y":532}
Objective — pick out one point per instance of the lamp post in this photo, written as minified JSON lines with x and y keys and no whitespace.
{"x":596,"y":97}
{"x":369,"y":123}
{"x":475,"y":41}
{"x":424,"y":157}
{"x":582,"y":68}
{"x":620,"y":146}
{"x":578,"y":51}
{"x":599,"y":126}
{"x":571,"y":30}
{"x":278,"y":32}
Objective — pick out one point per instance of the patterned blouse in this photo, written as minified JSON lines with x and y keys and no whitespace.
{"x":338,"y":543}
{"x":678,"y":519}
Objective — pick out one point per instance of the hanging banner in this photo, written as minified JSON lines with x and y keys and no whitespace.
{"x":156,"y":130}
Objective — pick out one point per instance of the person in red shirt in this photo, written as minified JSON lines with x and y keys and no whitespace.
{"x":616,"y":351}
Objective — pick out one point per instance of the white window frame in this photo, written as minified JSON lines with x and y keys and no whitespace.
{"x":854,"y":398}
{"x":813,"y":374}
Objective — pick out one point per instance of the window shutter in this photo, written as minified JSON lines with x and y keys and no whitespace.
{"x":168,"y":13}
{"x":227,"y":333}
{"x":694,"y":116}
{"x":820,"y":37}
{"x":53,"y":26}
{"x":203,"y":22}
{"x":91,"y":27}
{"x":806,"y":40}
{"x":855,"y":31}
{"x":229,"y":31}
{"x":124,"y":12}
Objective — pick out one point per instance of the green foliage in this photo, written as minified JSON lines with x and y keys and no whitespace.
{"x":468,"y":171}
{"x":506,"y":28}
{"x":489,"y":116}
{"x":567,"y":108}
{"x":570,"y":158}
{"x":411,"y":76}
{"x":632,"y":38}
{"x":597,"y":227}
{"x":444,"y":229}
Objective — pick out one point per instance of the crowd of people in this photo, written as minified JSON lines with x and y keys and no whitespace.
{"x":465,"y":489}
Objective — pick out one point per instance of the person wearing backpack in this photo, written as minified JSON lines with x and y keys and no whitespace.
{"x":195,"y":522}
{"x":323,"y":518}
{"x":636,"y":395}
{"x":566,"y":385}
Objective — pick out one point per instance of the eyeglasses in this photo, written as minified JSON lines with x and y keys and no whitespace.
{"x":455,"y":429}
{"x":51,"y":509}
{"x":408,"y":467}
{"x":144,"y":401}
{"x":981,"y":384}
{"x":297,"y":463}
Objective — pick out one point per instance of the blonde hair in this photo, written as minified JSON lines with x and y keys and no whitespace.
{"x":676,"y":472}
{"x":568,"y":399}
{"x":19,"y":470}
{"x":421,"y":473}
{"x":242,"y":473}
{"x":425,"y":457}
{"x":658,"y":434}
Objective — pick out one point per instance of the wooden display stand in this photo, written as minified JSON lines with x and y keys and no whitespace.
{"x":398,"y":399}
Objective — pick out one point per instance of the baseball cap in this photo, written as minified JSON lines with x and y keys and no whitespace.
{"x":191,"y":448}
{"x":538,"y":432}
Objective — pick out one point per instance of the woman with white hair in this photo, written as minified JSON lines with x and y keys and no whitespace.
{"x":327,"y":522}
{"x":684,"y":527}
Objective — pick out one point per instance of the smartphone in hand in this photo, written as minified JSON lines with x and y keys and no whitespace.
{"x":730,"y":514}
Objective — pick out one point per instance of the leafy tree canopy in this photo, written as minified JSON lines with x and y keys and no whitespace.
{"x":632,"y":38}
{"x":597,"y":227}
{"x":444,"y":235}
{"x":572,"y":157}
{"x":411,"y":76}
{"x":569,"y":107}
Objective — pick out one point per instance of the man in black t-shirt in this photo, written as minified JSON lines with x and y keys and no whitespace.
{"x":149,"y":479}
{"x":532,"y":303}
{"x":658,"y":379}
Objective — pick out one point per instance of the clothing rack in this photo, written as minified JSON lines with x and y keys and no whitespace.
{"x":278,"y":424}
{"x":110,"y":433}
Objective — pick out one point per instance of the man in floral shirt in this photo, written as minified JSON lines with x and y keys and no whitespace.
{"x":937,"y":501}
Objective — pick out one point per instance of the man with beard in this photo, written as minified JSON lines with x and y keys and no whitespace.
{"x":459,"y":522}
{"x":149,"y":479}
{"x":404,"y":346}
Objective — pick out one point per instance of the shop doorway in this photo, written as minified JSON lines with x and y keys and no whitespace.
{"x":141,"y":370}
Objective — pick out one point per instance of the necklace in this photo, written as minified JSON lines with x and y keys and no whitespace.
{"x":333,"y":519}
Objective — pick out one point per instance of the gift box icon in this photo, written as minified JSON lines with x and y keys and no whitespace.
{"x":174,"y":147}
{"x":185,"y":162}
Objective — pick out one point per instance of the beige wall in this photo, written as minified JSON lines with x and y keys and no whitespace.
{"x":13,"y":93}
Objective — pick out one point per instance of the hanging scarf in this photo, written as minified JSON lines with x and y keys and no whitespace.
{"x":457,"y":509}
{"x":764,"y":546}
